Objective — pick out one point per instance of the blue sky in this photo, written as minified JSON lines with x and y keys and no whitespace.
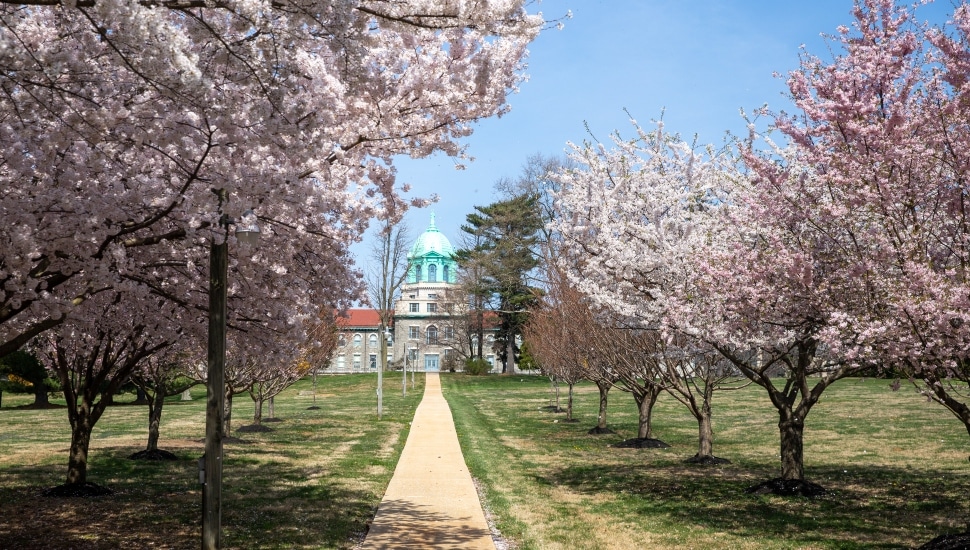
{"x":697,"y":61}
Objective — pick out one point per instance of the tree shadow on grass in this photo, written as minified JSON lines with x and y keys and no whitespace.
{"x":158,"y":505}
{"x":865,"y":507}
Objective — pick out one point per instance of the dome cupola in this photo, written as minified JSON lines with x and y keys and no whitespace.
{"x":432,"y":257}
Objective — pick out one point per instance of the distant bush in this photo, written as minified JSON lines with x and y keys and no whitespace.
{"x":477,"y":367}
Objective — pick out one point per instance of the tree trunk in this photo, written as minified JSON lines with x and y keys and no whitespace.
{"x":604,"y":391}
{"x":569,"y":403}
{"x":705,"y":432}
{"x":645,"y":402}
{"x":141,"y":397}
{"x":705,"y":428}
{"x":155,"y":404}
{"x":227,"y":418}
{"x":41,"y":398}
{"x":272,"y":408}
{"x":555,"y":388}
{"x":791,"y":427}
{"x":510,"y":354}
{"x":77,"y":462}
{"x":258,"y":410}
{"x":479,"y":328}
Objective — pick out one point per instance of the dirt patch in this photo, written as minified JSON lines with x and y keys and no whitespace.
{"x":154,"y":454}
{"x":641,"y":443}
{"x":707,"y":460}
{"x":596,"y":430}
{"x":254,"y":428}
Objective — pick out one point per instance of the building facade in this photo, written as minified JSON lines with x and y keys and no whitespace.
{"x":429,"y":329}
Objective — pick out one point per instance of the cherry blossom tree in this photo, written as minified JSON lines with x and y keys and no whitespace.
{"x":628,"y":353}
{"x":877,"y":160}
{"x":268,"y":381}
{"x":675,"y":238}
{"x":159,"y":376}
{"x":117,"y":119}
{"x":633,"y":220}
{"x":92,"y":360}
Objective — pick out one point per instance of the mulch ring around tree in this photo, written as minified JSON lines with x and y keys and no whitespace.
{"x":154,"y":454}
{"x":74,"y":490}
{"x":707,"y":460}
{"x":786,"y":488}
{"x":596,"y":430}
{"x":252,"y":428}
{"x":959,"y":541}
{"x":641,"y":443}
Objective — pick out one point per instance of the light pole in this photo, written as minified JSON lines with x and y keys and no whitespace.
{"x":211,"y":476}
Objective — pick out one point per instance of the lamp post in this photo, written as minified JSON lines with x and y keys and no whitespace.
{"x":211,"y":475}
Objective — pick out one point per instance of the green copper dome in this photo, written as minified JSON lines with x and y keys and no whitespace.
{"x":431,"y":240}
{"x":431,"y":258}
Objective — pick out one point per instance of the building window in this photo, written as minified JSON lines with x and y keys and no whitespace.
{"x":433,"y":273}
{"x":431,"y":334}
{"x":356,"y":361}
{"x":432,"y":307}
{"x":372,"y":360}
{"x":417,"y":273}
{"x":372,"y":341}
{"x":448,"y":333}
{"x":413,"y":332}
{"x":341,"y":361}
{"x":445,"y":273}
{"x":341,"y":340}
{"x":432,"y":296}
{"x":413,"y":354}
{"x":414,"y":307}
{"x":357,"y":340}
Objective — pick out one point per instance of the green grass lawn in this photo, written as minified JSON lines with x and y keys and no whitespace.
{"x":313,"y":482}
{"x":895,"y":466}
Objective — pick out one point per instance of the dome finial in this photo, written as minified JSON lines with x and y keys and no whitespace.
{"x":432,"y":227}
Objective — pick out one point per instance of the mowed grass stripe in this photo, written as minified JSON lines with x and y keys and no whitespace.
{"x":896,"y":468}
{"x":313,"y":482}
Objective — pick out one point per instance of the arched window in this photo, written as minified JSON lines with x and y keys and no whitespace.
{"x":444,"y":274}
{"x":432,"y":273}
{"x":417,"y":273}
{"x":341,"y":340}
{"x":357,"y":340}
{"x":431,"y":334}
{"x":372,"y":340}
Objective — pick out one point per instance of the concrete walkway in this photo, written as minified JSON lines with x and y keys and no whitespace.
{"x":431,"y":501}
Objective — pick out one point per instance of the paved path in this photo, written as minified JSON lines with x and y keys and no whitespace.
{"x":431,"y":501}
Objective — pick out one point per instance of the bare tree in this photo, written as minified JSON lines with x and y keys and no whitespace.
{"x":322,"y":340}
{"x":691,"y":372}
{"x":384,"y":280}
{"x":557,"y":333}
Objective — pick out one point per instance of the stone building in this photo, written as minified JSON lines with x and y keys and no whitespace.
{"x":430,"y":323}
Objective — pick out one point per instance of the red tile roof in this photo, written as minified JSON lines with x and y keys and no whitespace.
{"x":358,"y":318}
